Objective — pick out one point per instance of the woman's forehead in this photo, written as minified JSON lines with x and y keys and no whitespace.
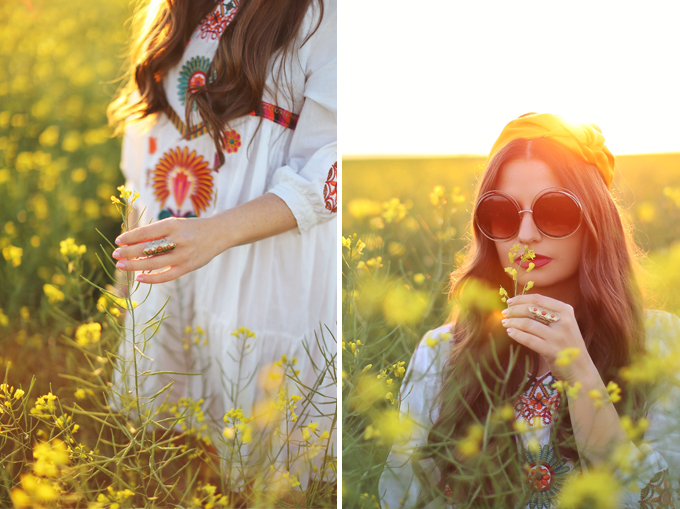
{"x":523,"y":179}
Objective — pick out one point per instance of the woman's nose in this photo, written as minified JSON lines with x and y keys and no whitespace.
{"x":528,"y":232}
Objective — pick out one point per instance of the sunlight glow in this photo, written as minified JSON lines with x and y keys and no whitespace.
{"x":445,"y":77}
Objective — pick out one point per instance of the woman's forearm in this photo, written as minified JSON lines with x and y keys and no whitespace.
{"x":255,"y":220}
{"x":597,"y":431}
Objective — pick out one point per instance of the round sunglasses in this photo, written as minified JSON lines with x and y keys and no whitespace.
{"x":557,"y":214}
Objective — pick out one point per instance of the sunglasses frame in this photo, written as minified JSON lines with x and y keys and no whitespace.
{"x":559,"y":190}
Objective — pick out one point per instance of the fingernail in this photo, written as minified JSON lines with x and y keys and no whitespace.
{"x":504,"y":322}
{"x":116,"y":253}
{"x":140,"y":278}
{"x":510,"y":331}
{"x":118,"y":241}
{"x":504,"y":312}
{"x":510,"y":300}
{"x":120,"y":265}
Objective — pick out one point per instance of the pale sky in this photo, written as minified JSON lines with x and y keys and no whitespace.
{"x":444,"y":77}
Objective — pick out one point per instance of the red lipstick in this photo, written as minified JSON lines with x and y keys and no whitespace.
{"x":538,"y":261}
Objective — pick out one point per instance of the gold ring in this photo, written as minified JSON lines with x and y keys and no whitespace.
{"x":159,"y":246}
{"x":544,"y":315}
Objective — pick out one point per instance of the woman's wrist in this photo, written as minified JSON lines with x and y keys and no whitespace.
{"x":263,"y":217}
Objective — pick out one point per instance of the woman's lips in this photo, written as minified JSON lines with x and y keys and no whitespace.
{"x":538,"y":261}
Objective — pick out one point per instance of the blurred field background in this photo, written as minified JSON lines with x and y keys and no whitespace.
{"x":405,"y":221}
{"x":59,"y":168}
{"x":58,"y":165}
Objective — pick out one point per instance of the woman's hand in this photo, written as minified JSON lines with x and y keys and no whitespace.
{"x":549,"y":340}
{"x":196,"y":246}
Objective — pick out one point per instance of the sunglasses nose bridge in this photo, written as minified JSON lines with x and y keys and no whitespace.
{"x":528,"y":231}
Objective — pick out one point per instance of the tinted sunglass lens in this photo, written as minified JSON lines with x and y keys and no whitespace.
{"x":497,"y":217}
{"x":557,"y":214}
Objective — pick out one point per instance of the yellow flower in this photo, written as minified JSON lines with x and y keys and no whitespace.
{"x":375,"y":263}
{"x":596,"y":396}
{"x":566,"y":356}
{"x":13,"y":255}
{"x":80,"y":393}
{"x":531,"y":266}
{"x":574,"y":390}
{"x":68,"y":248}
{"x":53,"y":293}
{"x":471,"y":444}
{"x":347,"y":242}
{"x":419,"y":279}
{"x":529,"y":286}
{"x":614,"y":392}
{"x":393,"y":211}
{"x":390,"y":398}
{"x":18,"y":394}
{"x":88,"y":334}
{"x":4,"y":321}
{"x":44,"y":406}
{"x":49,"y":457}
{"x":598,"y":487}
{"x":436,"y":195}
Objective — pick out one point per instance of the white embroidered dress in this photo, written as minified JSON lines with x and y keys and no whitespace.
{"x":282,"y":288}
{"x":657,"y":481}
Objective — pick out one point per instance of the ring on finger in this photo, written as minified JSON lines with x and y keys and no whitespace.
{"x":159,"y":246}
{"x":543,"y":315}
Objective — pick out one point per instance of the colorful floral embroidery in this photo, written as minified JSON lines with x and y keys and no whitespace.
{"x":546,"y":474}
{"x":193,"y":74}
{"x":540,"y":404}
{"x":231,"y":141}
{"x":184,"y":175}
{"x":330,"y":189}
{"x":216,"y":22}
{"x":152,"y":145}
{"x":657,"y":494}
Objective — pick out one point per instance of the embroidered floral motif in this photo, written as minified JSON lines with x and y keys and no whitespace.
{"x":330,"y":189}
{"x":546,"y":474}
{"x":447,"y":492}
{"x":231,"y":141}
{"x":657,"y":494}
{"x":184,"y":175}
{"x":152,"y":145}
{"x":193,"y":74}
{"x":216,"y":22}
{"x":539,"y":405}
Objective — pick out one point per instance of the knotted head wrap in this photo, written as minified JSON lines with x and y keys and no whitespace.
{"x":584,"y":140}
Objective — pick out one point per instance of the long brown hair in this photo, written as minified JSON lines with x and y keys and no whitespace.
{"x":161,"y":29}
{"x":609,"y":315}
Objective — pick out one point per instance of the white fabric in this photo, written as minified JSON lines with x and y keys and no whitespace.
{"x":399,"y":486}
{"x":282,"y":288}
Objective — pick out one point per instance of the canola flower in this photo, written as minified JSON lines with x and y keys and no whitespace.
{"x":69,"y":249}
{"x":526,"y":256}
{"x":44,"y":406}
{"x":566,"y":356}
{"x":471,"y":444}
{"x":596,"y":487}
{"x":53,"y":293}
{"x":88,"y":334}
{"x":240,"y":426}
{"x":13,"y":255}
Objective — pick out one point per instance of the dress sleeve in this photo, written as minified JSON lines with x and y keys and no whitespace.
{"x":308,"y":182}
{"x":399,"y":486}
{"x":656,"y":463}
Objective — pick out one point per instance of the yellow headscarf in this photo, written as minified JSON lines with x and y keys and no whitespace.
{"x":584,"y":140}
